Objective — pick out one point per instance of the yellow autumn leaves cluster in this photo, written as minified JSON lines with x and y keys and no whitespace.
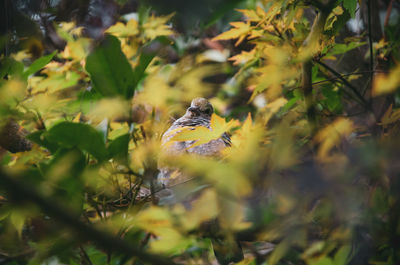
{"x":132,"y":34}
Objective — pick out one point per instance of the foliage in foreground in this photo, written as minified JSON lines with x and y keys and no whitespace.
{"x":304,"y":173}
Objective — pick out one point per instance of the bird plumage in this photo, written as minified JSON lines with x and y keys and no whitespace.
{"x":179,"y":188}
{"x":198,"y":114}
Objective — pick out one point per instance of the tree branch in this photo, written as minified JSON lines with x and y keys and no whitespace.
{"x":21,"y":193}
{"x":371,"y":51}
{"x":312,"y":38}
{"x":347,"y":83}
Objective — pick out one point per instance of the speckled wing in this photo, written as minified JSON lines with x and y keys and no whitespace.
{"x":173,"y":177}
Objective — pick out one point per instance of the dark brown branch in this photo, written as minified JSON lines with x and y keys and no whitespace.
{"x":312,"y":38}
{"x":20,"y":193}
{"x":307,"y":91}
{"x":387,"y":16}
{"x":371,"y":51}
{"x":347,"y":83}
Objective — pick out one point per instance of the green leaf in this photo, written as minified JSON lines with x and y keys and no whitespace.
{"x":37,"y":138}
{"x":342,"y":256}
{"x":138,"y":73}
{"x":83,"y":136}
{"x":10,"y":66}
{"x":119,"y":147}
{"x":350,"y":6}
{"x":279,"y":252}
{"x":110,"y":70}
{"x":332,"y":99}
{"x":17,"y":218}
{"x":341,"y":48}
{"x":322,"y":261}
{"x":38,"y":64}
{"x":339,"y":23}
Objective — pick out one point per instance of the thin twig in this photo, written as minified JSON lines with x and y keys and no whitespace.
{"x":85,"y":255}
{"x":347,"y":83}
{"x":312,"y":38}
{"x":388,"y":12}
{"x":343,"y":75}
{"x":22,"y":193}
{"x":371,"y":51}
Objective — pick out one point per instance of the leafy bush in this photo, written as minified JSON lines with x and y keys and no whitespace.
{"x":311,"y":176}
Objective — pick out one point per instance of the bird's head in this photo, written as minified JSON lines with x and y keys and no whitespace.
{"x":200,"y":107}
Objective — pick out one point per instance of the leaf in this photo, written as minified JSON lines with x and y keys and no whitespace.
{"x":17,"y":218}
{"x":83,"y":136}
{"x":321,"y":261}
{"x":386,"y":83}
{"x":201,"y":134}
{"x":239,"y":30}
{"x":38,"y":64}
{"x":109,"y":108}
{"x":203,"y":209}
{"x":332,"y":99}
{"x":340,"y":48}
{"x":390,"y":116}
{"x":11,"y":67}
{"x":251,"y":15}
{"x":12,"y":92}
{"x":131,"y":28}
{"x":155,"y":26}
{"x":243,"y":57}
{"x":118,"y":148}
{"x":36,"y":137}
{"x":144,"y":61}
{"x":279,"y":252}
{"x":350,"y":6}
{"x":342,"y":255}
{"x":331,"y":135}
{"x":110,"y":70}
{"x":336,"y":22}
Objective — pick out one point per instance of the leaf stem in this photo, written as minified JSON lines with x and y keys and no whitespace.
{"x":347,"y":83}
{"x":371,"y":51}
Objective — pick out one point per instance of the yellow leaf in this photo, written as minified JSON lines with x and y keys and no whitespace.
{"x":381,"y":44}
{"x":273,"y":107}
{"x":331,"y":135}
{"x":67,"y":26}
{"x":255,"y":34}
{"x":155,"y":26}
{"x":203,"y":209}
{"x":390,"y":116}
{"x":77,"y":117}
{"x":17,"y":218}
{"x":201,"y":134}
{"x":153,"y":218}
{"x":225,"y":176}
{"x":77,"y":49}
{"x":159,"y":222}
{"x":251,"y":15}
{"x":121,"y":30}
{"x":21,"y":55}
{"x":386,"y":83}
{"x":109,"y":109}
{"x":12,"y":92}
{"x":239,"y":30}
{"x":243,"y":57}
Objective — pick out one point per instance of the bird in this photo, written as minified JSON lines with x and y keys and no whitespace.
{"x":198,"y":114}
{"x":177,"y":187}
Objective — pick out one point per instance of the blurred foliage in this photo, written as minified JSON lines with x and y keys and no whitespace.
{"x":312,"y":173}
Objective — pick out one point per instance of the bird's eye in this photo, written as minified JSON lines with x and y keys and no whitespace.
{"x":208,"y":111}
